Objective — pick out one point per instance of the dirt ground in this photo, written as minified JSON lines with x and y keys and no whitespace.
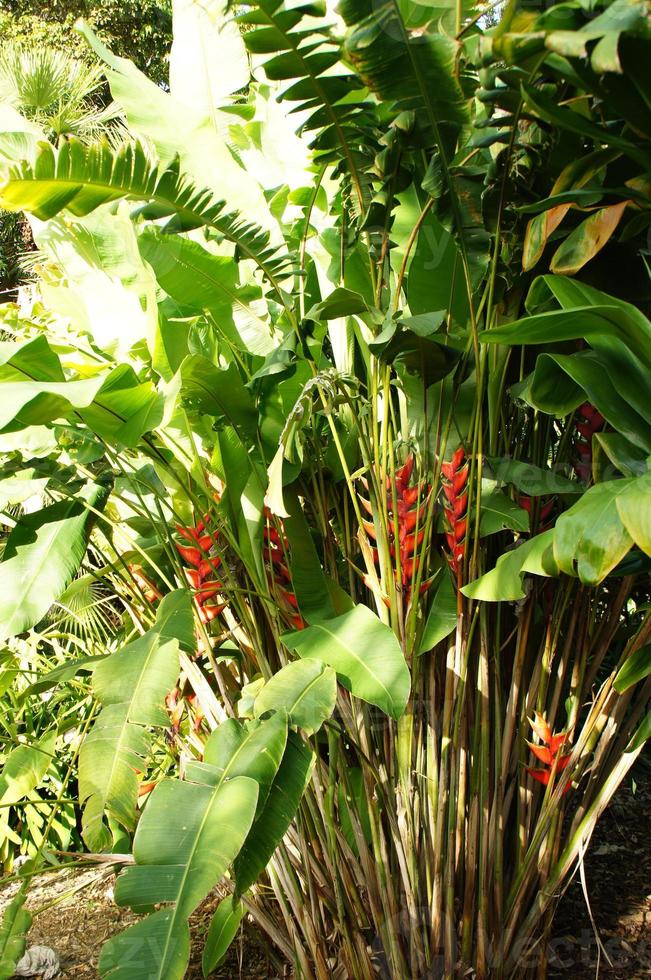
{"x":618,"y":880}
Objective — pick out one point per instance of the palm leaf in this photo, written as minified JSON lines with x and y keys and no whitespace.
{"x":339,"y":111}
{"x":81,"y":178}
{"x":415,"y":70}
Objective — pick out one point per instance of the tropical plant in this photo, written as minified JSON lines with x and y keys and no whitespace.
{"x":365,"y":450}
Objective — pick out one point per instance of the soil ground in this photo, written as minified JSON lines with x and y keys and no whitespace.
{"x":618,"y":881}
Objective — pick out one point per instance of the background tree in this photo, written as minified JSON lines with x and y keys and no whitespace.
{"x":139,"y":29}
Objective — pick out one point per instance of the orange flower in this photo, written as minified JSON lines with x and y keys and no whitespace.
{"x":549,"y":752}
{"x":203,"y":566}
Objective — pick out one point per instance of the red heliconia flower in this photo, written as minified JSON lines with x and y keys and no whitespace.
{"x":589,"y":422}
{"x":549,"y":753}
{"x":454,"y":480}
{"x":274,"y":552}
{"x":406,"y":526}
{"x":203,"y":566}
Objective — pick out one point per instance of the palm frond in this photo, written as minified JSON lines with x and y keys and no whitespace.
{"x":338,"y":108}
{"x":80,"y":178}
{"x":85,"y":611}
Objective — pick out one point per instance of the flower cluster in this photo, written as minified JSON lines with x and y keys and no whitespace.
{"x":275,"y":552}
{"x":201,"y":566}
{"x":406,"y":525}
{"x":454,"y":479}
{"x":589,"y":422}
{"x":549,"y":752}
{"x":176,"y":704}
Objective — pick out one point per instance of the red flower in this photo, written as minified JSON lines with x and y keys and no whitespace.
{"x":406,"y":525}
{"x":454,"y":479}
{"x":275,"y":551}
{"x":203,"y":567}
{"x":549,"y":752}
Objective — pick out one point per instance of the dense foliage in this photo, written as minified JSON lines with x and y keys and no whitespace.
{"x":138,"y":29}
{"x":326,"y":480}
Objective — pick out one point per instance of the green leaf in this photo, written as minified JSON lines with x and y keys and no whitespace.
{"x":19,"y":487}
{"x":132,"y":685}
{"x":428,"y":358}
{"x":221,"y":393}
{"x":530,"y":479}
{"x":642,"y":734}
{"x":64,"y":672}
{"x":505,"y":581}
{"x":42,"y":555}
{"x":634,"y":509}
{"x":254,"y":749}
{"x":80,"y":178}
{"x":309,"y":581}
{"x":590,"y":538}
{"x":629,"y":459}
{"x":364,"y":652}
{"x":499,"y":512}
{"x":635,"y":668}
{"x":418,"y":73}
{"x":187,"y":837}
{"x":305,"y":689}
{"x":34,"y":390}
{"x":341,"y":302}
{"x":435,"y":279}
{"x":24,"y":769}
{"x":273,"y":822}
{"x":442,"y":617}
{"x":16,"y":922}
{"x":201,"y":281}
{"x":221,"y":933}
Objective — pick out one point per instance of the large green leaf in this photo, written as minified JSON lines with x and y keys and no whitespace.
{"x":305,"y":689}
{"x":34,"y":390}
{"x":333,"y":103}
{"x":194,"y":133}
{"x":634,"y":669}
{"x":187,"y":837}
{"x":16,"y":922}
{"x":499,"y":512}
{"x":41,"y":557}
{"x":364,"y":652}
{"x":590,"y":538}
{"x":442,"y":617}
{"x":221,"y":393}
{"x":131,"y":685}
{"x":505,"y":581}
{"x":273,"y":822}
{"x":221,"y":933}
{"x":254,"y":749}
{"x":418,"y":72}
{"x":634,"y":508}
{"x":201,"y":281}
{"x":530,"y":479}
